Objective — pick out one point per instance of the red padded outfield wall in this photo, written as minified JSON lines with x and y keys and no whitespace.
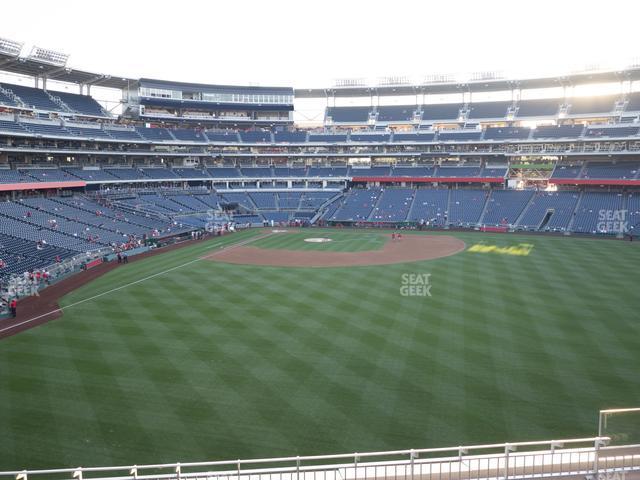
{"x":591,"y":181}
{"x":430,"y":179}
{"x":40,"y":185}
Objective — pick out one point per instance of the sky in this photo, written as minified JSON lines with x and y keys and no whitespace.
{"x":311,"y":44}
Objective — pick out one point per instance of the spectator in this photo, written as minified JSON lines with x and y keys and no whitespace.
{"x":13,"y":306}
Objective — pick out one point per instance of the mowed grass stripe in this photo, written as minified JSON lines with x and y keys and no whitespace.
{"x":340,"y":241}
{"x":220,"y":361}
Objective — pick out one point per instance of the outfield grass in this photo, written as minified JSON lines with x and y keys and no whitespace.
{"x":219,"y":361}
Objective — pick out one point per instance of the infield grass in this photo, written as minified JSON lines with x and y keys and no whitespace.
{"x":339,"y":241}
{"x":219,"y":361}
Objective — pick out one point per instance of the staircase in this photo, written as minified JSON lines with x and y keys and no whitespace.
{"x":58,"y":101}
{"x":323,"y":208}
{"x":446,"y":225}
{"x":12,"y":96}
{"x":373,"y":210}
{"x":573,"y":215}
{"x":524,"y":210}
{"x":413,"y":201}
{"x":618,"y":109}
{"x":486,"y":207}
{"x":545,"y":221}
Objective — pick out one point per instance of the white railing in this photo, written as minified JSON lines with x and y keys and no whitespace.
{"x":554,"y":458}
{"x":605,"y":414}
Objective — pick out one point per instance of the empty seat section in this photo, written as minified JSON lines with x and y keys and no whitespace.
{"x":33,"y":97}
{"x":429,"y":207}
{"x":290,"y":137}
{"x":396,"y":113}
{"x":556,"y":207}
{"x":466,"y":207}
{"x":489,"y":109}
{"x":159,"y":173}
{"x":223,"y":172}
{"x":414,"y":137}
{"x":119,"y":134}
{"x":83,"y":104}
{"x":126,"y":173}
{"x":458,"y":172}
{"x":327,"y":138}
{"x":348,"y":114}
{"x":393,"y":206}
{"x":442,"y":111}
{"x":621,"y":170}
{"x":561,"y":131}
{"x":191,"y":173}
{"x":586,"y":105}
{"x":588,"y":217}
{"x":505,"y":206}
{"x":507,"y":133}
{"x":611,"y":132}
{"x":155,"y":134}
{"x":539,"y":108}
{"x":224,"y":137}
{"x":255,"y":137}
{"x":357,"y":205}
{"x":370,"y":137}
{"x":459,"y":136}
{"x":188,"y":135}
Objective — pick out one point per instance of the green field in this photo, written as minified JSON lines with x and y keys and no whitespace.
{"x":341,"y":241}
{"x":217,"y":361}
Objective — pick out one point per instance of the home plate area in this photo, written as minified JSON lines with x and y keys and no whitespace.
{"x":409,"y":248}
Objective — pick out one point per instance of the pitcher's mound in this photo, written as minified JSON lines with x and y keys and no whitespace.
{"x":410,"y":248}
{"x":317,"y":240}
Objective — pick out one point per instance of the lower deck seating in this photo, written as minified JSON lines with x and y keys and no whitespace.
{"x":504,"y":207}
{"x":549,"y":211}
{"x":466,"y":206}
{"x":594,"y":211}
{"x":430,"y":207}
{"x":393,"y":206}
{"x":357,"y":205}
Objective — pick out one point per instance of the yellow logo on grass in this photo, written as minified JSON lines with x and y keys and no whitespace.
{"x":521,"y":250}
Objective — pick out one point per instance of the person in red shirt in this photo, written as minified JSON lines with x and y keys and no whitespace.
{"x":13,"y":306}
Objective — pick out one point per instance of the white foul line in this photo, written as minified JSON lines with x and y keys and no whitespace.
{"x":223,"y":248}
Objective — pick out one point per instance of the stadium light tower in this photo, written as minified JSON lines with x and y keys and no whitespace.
{"x":10,"y":47}
{"x":50,"y":57}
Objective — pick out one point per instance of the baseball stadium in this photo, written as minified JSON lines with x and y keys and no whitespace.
{"x":431,"y":279}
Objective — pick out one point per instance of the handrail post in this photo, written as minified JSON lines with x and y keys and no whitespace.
{"x":412,"y":456}
{"x":356,"y":458}
{"x":461,"y":451}
{"x":238,"y":469}
{"x":600,"y":425}
{"x":596,"y":457}
{"x":178,"y":470}
{"x":78,"y":473}
{"x":22,"y":476}
{"x":134,"y":472}
{"x":298,"y":467}
{"x":508,"y":448}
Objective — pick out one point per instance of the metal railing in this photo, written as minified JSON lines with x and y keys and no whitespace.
{"x":552,"y":458}
{"x":605,"y":414}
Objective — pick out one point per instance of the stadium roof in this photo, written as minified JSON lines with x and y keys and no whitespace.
{"x":53,"y":65}
{"x":489,"y":85}
{"x":58,"y":71}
